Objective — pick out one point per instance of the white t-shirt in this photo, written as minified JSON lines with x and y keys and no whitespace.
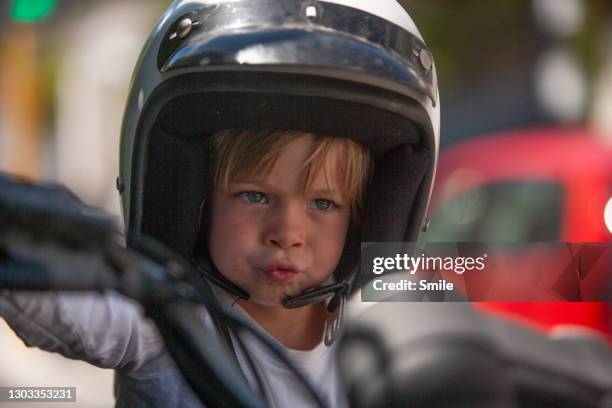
{"x":281,"y":387}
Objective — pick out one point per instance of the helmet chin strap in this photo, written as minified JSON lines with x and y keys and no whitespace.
{"x":208,"y":270}
{"x":318,"y":294}
{"x":335,"y":291}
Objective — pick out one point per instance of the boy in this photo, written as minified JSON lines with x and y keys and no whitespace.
{"x":280,"y":219}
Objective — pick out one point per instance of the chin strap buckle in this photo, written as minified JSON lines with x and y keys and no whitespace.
{"x":333,"y":326}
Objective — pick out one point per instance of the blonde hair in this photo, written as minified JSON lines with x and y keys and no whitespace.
{"x":235,"y":153}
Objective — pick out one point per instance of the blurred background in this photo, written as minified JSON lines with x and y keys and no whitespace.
{"x":526,"y":88}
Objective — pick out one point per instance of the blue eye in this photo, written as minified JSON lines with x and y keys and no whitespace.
{"x":254,"y":197}
{"x":322,"y":204}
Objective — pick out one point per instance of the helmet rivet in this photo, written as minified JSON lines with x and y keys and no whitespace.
{"x":120,"y":183}
{"x":425,"y":59}
{"x":311,"y":12}
{"x":426,"y":225}
{"x":182,"y":29}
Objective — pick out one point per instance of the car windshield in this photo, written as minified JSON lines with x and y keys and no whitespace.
{"x":516,"y":211}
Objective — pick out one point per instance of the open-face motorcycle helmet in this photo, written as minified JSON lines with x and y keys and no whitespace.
{"x":357,"y":69}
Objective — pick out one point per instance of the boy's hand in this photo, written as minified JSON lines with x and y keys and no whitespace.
{"x":50,"y":240}
{"x":51,"y":212}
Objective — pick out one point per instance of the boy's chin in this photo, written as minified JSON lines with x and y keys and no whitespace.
{"x":266,"y":302}
{"x":274,"y":299}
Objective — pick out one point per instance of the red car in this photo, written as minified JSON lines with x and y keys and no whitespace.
{"x":540,"y":184}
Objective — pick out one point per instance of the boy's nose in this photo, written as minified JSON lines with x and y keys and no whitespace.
{"x":286,"y":227}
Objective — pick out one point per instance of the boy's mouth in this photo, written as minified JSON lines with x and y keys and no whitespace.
{"x":281,"y":273}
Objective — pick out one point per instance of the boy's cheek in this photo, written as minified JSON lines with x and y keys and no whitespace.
{"x":336,"y":227}
{"x":229,"y":214}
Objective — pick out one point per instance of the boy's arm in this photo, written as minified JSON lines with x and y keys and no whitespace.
{"x":106,"y":330}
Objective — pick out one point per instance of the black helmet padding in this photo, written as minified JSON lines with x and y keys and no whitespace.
{"x":188,"y":109}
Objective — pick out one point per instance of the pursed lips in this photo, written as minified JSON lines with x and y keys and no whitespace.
{"x":280,"y":272}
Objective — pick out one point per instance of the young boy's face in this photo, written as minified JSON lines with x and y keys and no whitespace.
{"x":271,"y":237}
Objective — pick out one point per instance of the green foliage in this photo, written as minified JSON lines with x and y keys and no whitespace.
{"x":31,"y":10}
